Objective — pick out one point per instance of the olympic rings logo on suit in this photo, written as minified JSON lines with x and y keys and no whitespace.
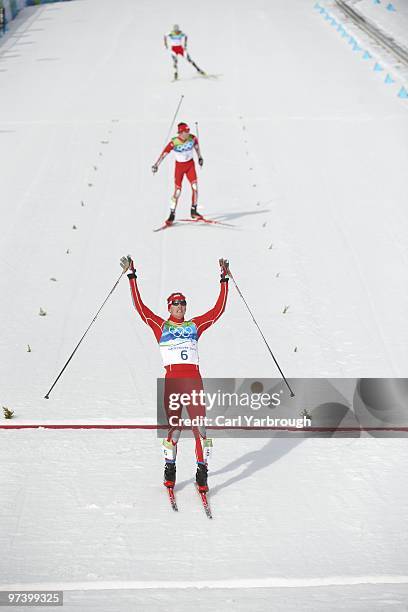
{"x":185,"y":147}
{"x":181,"y":332}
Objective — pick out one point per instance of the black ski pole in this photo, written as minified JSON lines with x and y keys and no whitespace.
{"x":260,"y":331}
{"x":47,"y":396}
{"x":173,"y":120}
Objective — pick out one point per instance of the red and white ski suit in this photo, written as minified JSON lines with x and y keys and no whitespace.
{"x":183,"y":153}
{"x":180,"y":353}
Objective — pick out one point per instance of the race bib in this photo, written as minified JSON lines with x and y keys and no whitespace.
{"x":178,"y":343}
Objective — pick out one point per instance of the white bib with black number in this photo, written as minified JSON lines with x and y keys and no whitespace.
{"x":178,"y":343}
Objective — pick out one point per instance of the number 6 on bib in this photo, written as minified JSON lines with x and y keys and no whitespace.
{"x":178,"y":343}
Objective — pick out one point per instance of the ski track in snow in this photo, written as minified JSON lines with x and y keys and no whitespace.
{"x":210,"y":584}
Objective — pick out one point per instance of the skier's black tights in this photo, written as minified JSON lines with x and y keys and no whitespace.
{"x":189,"y":59}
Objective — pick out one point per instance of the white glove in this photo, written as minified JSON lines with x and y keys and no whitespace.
{"x":126,"y":263}
{"x":224,"y":264}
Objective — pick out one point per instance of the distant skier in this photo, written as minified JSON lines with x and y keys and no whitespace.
{"x":177,"y":339}
{"x":183,"y":146}
{"x":177,"y":41}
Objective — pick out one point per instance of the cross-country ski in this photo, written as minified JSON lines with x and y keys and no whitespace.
{"x":172,"y":498}
{"x":204,"y":501}
{"x":198,"y":220}
{"x":202,"y":219}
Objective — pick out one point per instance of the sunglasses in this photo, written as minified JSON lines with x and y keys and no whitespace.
{"x":179,"y":303}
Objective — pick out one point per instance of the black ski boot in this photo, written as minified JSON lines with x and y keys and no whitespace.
{"x":201,"y":477}
{"x":194,"y":213}
{"x":169,"y":474}
{"x":171,"y":218}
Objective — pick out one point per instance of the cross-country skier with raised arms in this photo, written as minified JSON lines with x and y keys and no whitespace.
{"x":177,"y":339}
{"x":177,"y":41}
{"x":183,"y":146}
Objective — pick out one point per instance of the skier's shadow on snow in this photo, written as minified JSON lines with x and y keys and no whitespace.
{"x":236,"y":215}
{"x":256,"y":460}
{"x":250,"y":463}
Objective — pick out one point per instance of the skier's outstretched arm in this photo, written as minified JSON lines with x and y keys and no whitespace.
{"x":205,"y":321}
{"x":167,"y":149}
{"x":149,"y":317}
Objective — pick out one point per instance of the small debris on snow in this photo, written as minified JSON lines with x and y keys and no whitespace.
{"x":264,"y":224}
{"x":42,"y":313}
{"x":90,"y":184}
{"x":8,"y":414}
{"x":270,"y":247}
{"x":67,"y":251}
{"x":82,"y":203}
{"x":100,"y":154}
{"x":74,"y":227}
{"x":285,"y":310}
{"x":295,"y":349}
{"x":254,"y":185}
{"x":95,"y":168}
{"x":53,"y":278}
{"x":28,"y":348}
{"x":104,"y":141}
{"x":277,"y":274}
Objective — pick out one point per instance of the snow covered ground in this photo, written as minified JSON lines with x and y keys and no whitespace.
{"x":306,"y":154}
{"x":388,"y":66}
{"x":392,"y":20}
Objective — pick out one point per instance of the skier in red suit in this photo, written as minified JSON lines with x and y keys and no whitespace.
{"x":183,"y":145}
{"x":178,"y":339}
